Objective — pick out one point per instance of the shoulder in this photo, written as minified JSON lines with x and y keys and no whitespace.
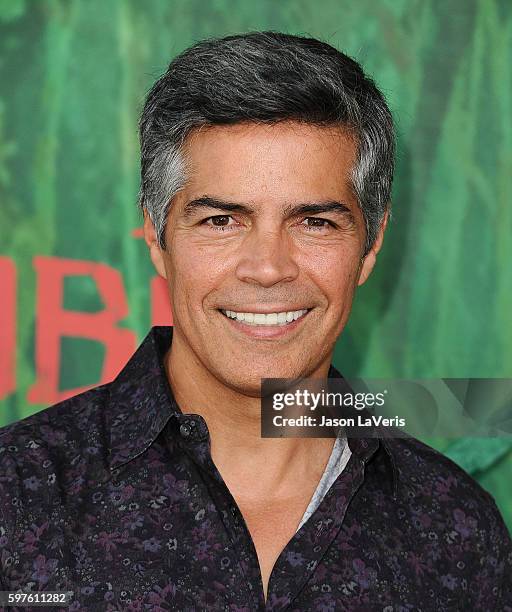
{"x":55,"y":425}
{"x":428,"y":474}
{"x":445,"y":509}
{"x":37,"y":451}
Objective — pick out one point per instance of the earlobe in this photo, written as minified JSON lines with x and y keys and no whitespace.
{"x":371,"y":257}
{"x":158,"y":261}
{"x":367,"y":267}
{"x":155,"y":252}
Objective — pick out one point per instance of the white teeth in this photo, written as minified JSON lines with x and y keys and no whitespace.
{"x":272,"y":318}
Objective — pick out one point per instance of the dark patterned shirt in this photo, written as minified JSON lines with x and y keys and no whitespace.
{"x":113,"y":494}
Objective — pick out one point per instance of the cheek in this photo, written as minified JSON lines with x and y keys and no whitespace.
{"x":335,"y":274}
{"x":193,"y":273}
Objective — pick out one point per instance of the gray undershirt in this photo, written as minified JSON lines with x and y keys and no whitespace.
{"x":340,"y":455}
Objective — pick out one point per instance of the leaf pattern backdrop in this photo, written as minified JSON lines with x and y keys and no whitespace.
{"x":73,"y":74}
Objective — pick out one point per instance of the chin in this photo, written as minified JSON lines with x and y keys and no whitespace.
{"x":247,"y":378}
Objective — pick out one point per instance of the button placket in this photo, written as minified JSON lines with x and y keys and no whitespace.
{"x":231,"y":515}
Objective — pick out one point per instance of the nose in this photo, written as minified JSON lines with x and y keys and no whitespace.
{"x":266,"y":258}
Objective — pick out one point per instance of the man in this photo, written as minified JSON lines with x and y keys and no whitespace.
{"x":267,"y":163}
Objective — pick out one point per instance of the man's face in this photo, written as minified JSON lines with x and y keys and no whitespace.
{"x":265,"y":254}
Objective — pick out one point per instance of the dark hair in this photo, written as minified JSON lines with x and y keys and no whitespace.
{"x":264,"y":77}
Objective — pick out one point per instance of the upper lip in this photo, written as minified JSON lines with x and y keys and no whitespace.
{"x":260,"y":310}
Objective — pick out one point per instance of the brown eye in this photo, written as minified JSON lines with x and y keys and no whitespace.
{"x":221,"y":223}
{"x":218,"y":220}
{"x":318,"y":223}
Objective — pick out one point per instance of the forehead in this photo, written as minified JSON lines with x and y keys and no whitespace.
{"x":283,"y":161}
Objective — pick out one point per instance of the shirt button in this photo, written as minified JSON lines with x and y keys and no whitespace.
{"x":185,"y":430}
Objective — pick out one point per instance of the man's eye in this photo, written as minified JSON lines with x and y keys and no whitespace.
{"x":318,"y":223}
{"x":218,"y":221}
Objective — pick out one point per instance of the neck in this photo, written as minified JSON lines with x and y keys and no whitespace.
{"x":250,"y":465}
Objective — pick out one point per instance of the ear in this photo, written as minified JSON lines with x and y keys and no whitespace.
{"x":371,"y":257}
{"x":151,"y":240}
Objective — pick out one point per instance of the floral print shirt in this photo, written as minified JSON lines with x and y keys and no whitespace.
{"x":112,"y":494}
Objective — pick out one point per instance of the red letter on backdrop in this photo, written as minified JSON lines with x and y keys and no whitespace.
{"x":7,"y":327}
{"x":52,"y":322}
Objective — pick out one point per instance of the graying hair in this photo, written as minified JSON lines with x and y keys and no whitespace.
{"x":264,"y":77}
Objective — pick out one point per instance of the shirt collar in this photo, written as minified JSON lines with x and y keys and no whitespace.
{"x":141,"y":403}
{"x":380,"y":446}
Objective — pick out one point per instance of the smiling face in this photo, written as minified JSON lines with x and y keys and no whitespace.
{"x":263,"y":251}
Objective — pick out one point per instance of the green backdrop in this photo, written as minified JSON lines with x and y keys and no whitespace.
{"x":73,"y":74}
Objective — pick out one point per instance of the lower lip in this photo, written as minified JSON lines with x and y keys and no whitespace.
{"x":265,"y":331}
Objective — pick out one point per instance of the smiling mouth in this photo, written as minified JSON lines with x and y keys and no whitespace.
{"x":268,"y":319}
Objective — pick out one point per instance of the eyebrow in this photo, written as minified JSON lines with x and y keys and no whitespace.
{"x":339,"y":208}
